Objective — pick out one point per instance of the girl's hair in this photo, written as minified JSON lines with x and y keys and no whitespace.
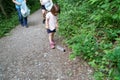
{"x":55,"y":9}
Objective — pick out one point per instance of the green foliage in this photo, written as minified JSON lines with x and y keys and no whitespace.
{"x":33,"y":5}
{"x":8,"y":7}
{"x":91,"y":29}
{"x":7,"y":24}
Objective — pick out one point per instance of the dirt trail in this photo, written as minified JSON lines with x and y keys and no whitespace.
{"x":25,"y":55}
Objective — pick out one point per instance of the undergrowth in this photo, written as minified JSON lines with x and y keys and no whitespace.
{"x":91,"y":29}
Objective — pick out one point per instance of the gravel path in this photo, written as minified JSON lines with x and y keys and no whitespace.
{"x":25,"y":55}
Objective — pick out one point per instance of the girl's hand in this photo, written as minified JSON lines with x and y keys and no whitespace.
{"x":46,"y":27}
{"x":57,"y":28}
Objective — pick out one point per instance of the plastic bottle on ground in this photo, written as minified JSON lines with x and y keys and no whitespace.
{"x":60,"y":48}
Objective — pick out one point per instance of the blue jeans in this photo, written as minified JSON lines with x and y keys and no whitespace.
{"x":22,"y":20}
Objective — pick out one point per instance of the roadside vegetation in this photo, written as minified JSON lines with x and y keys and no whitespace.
{"x":91,"y":28}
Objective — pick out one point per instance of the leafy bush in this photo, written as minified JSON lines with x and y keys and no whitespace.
{"x":91,"y":29}
{"x":7,"y":24}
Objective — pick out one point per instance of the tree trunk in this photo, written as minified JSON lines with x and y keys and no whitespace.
{"x":2,"y":9}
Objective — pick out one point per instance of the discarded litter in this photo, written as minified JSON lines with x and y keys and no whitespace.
{"x":60,"y":48}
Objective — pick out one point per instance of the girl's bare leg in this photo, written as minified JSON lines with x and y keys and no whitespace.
{"x":51,"y":36}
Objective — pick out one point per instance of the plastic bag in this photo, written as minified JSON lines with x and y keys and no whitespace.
{"x":25,"y":11}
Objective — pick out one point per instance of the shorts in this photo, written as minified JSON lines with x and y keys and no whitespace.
{"x":43,"y":7}
{"x":51,"y":31}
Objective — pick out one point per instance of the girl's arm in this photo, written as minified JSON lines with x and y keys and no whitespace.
{"x":14,"y":1}
{"x":57,"y":24}
{"x":47,"y":23}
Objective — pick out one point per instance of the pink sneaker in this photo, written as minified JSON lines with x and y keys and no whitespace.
{"x":53,"y":42}
{"x":52,"y":46}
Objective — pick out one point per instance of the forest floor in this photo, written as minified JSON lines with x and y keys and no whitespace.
{"x":26,"y":55}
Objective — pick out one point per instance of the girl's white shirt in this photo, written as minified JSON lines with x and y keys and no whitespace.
{"x":52,"y":20}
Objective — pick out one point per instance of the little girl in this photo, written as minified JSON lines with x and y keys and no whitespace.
{"x":52,"y":24}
